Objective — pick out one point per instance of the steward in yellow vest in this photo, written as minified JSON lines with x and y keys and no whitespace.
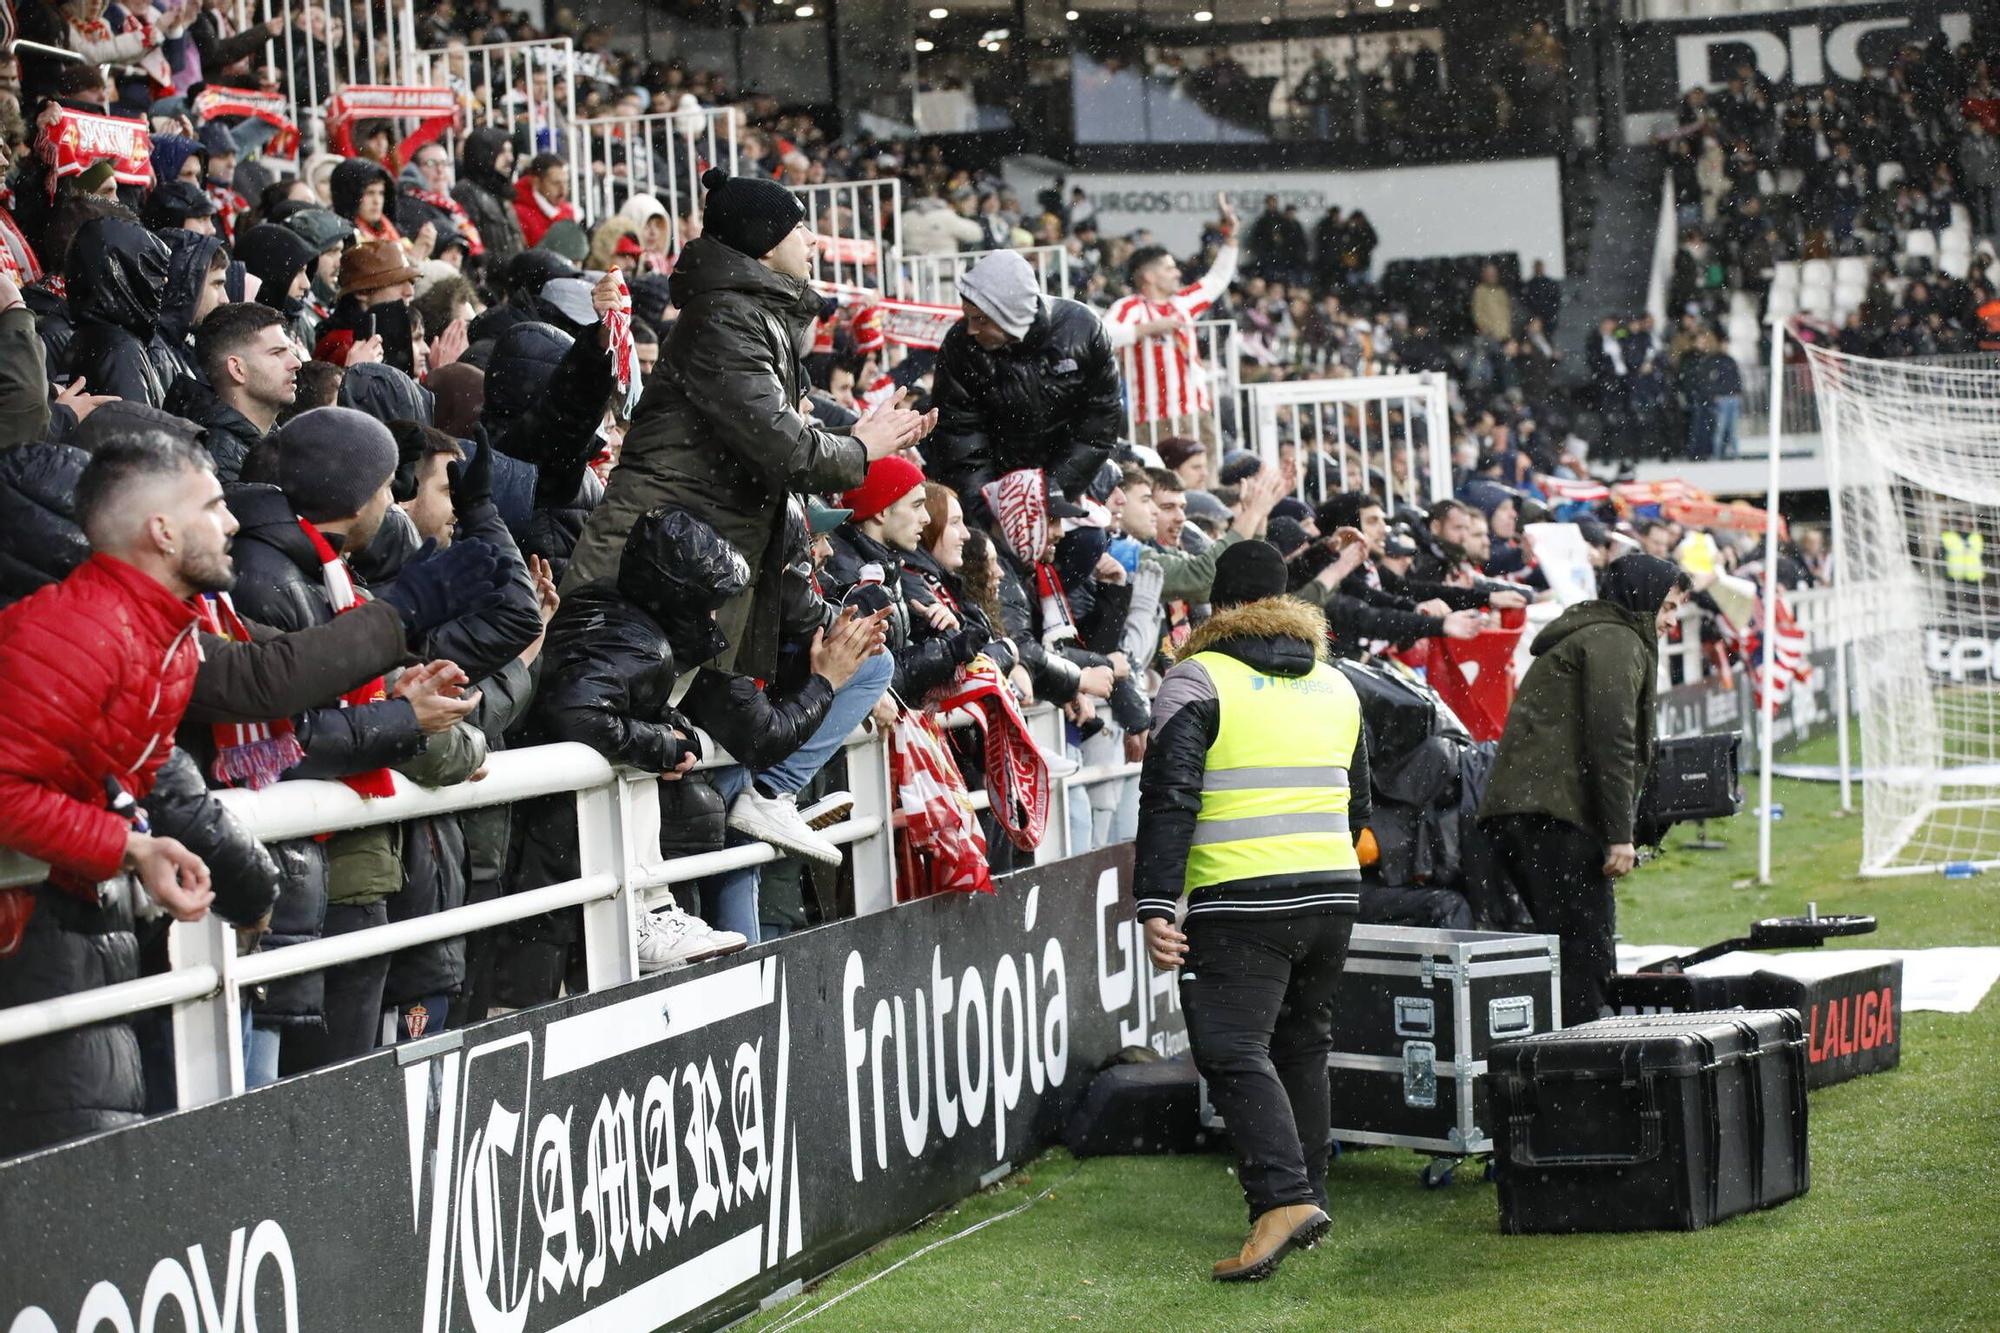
{"x":1254,"y":790}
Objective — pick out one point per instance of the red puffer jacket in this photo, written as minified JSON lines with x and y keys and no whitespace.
{"x":95,"y":673}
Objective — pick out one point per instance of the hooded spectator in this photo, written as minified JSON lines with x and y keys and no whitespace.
{"x":116,"y":276}
{"x":177,"y":205}
{"x":363,"y":193}
{"x":485,"y":189}
{"x":197,"y":283}
{"x":282,"y":261}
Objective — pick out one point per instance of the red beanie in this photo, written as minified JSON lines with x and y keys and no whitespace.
{"x":888,"y":480}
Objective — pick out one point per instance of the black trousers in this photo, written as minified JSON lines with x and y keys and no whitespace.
{"x":1559,"y":869}
{"x":353,"y":1000}
{"x":1258,"y":996}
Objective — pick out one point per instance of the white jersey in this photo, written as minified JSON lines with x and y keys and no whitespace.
{"x":1165,"y":375}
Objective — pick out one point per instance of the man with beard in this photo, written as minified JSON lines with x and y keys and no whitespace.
{"x":99,"y":669}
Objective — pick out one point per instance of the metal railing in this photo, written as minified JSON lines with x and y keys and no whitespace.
{"x":661,"y":153}
{"x":1801,"y":407}
{"x":1390,"y":434}
{"x":619,"y":869}
{"x":317,"y":53}
{"x":933,"y":279}
{"x":1218,"y":421}
{"x":504,"y":84}
{"x":857,"y":223}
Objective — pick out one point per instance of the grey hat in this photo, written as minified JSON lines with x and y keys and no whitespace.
{"x":1202,"y":504}
{"x":331,"y":460}
{"x":1004,"y":287}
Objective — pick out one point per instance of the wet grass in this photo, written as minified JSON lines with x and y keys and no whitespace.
{"x":1901,"y":1229}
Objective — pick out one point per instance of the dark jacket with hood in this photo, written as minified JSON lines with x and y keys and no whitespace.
{"x":719,"y":431}
{"x":1050,"y":400}
{"x":1579,"y":737}
{"x":1277,"y":636}
{"x":40,"y":542}
{"x":488,"y":197}
{"x":925,"y":658}
{"x":351,"y":180}
{"x":276,"y":256}
{"x":172,"y":348}
{"x":117,"y":279}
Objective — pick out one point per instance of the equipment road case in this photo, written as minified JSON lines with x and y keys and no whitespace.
{"x":1660,"y":1122}
{"x":1414,"y":1015}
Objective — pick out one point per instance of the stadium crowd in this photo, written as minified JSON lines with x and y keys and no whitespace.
{"x":366,"y":472}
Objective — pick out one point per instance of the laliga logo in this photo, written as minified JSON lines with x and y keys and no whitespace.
{"x":1807,"y":54}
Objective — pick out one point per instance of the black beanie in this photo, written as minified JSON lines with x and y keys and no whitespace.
{"x":1247,"y":572}
{"x":332,"y":460}
{"x":747,"y":213}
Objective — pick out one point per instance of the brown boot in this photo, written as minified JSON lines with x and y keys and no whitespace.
{"x":1272,"y":1237}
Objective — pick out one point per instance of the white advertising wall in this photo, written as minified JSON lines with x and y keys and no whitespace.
{"x":1420,"y":212}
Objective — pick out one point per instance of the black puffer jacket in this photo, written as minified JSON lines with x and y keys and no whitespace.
{"x":719,"y":430}
{"x":387,"y":394}
{"x":488,"y":197}
{"x":1055,"y":675}
{"x":117,"y":276}
{"x":231,"y":435}
{"x":39,"y":542}
{"x":1049,"y":400}
{"x":924,"y":577}
{"x":53,"y":325}
{"x":925,"y":658}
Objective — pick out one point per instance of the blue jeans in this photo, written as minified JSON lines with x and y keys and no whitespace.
{"x":1728,"y":411}
{"x":260,"y":1054}
{"x":728,"y":901}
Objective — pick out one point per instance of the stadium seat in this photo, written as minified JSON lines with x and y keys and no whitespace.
{"x":1849,"y":296}
{"x":1767,"y":184}
{"x":1784,"y":303}
{"x":1961,"y":218}
{"x":1816,"y":298}
{"x":1954,"y":260}
{"x":1920,"y":244}
{"x":1956,"y":237}
{"x":1785,"y":276}
{"x":1852,"y":269}
{"x":1888,"y":174}
{"x":1816,"y":273}
{"x":1747,"y":354}
{"x":1790,"y":179}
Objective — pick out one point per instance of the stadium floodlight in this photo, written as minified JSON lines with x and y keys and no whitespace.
{"x":940,"y":13}
{"x":925,"y":44}
{"x":804,"y":11}
{"x":1072,"y":16}
{"x":1203,"y":16}
{"x":1912,"y":456}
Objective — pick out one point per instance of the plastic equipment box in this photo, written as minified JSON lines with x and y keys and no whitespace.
{"x":1667,"y":1122}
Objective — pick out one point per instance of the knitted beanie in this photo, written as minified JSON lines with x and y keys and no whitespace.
{"x":331,"y":460}
{"x":747,"y":213}
{"x":1247,"y":572}
{"x":888,"y":480}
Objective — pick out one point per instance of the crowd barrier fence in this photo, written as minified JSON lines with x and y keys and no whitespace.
{"x":933,"y":279}
{"x":660,"y":153}
{"x":1389,"y":433}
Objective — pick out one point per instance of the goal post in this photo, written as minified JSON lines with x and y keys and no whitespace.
{"x":1912,"y":451}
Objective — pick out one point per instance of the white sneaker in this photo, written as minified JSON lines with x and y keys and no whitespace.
{"x":830,"y":809}
{"x":776,"y":820}
{"x":672,"y":938}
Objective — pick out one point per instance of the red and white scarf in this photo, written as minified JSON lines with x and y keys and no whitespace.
{"x":151,"y":60}
{"x":459,"y":221}
{"x":1017,"y":772}
{"x":1020,"y":503}
{"x":249,"y":754}
{"x":624,"y":352}
{"x":340,"y":592}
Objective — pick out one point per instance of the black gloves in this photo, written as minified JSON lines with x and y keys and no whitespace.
{"x":968,"y":643}
{"x":472,"y":480}
{"x":438,"y":586}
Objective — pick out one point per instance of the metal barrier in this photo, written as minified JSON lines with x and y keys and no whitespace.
{"x":857,"y":223}
{"x":1389,"y":434}
{"x":660,"y":153}
{"x":933,"y":279}
{"x":504,"y":84}
{"x":1218,"y":363}
{"x":618,"y":838}
{"x":316,"y":55}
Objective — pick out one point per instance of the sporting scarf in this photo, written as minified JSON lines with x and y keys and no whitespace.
{"x":340,"y":592}
{"x":216,"y":101}
{"x":1017,"y":772}
{"x":248,"y":754}
{"x":624,"y":352}
{"x":459,"y":221}
{"x":1020,"y":503}
{"x":158,"y":72}
{"x":71,"y":141}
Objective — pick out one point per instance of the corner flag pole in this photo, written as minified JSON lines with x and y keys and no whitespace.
{"x":1768,"y":709}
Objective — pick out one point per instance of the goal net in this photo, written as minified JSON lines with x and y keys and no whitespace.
{"x":1913,"y":464}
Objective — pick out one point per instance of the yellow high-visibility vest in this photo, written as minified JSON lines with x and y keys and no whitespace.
{"x":1274,"y":796}
{"x":1962,"y":556}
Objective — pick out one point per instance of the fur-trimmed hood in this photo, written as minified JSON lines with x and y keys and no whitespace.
{"x":1279,"y":635}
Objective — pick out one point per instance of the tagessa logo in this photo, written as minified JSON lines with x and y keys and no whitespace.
{"x":1299,"y":684}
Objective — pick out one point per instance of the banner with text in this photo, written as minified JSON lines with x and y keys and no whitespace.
{"x":662,"y":1155}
